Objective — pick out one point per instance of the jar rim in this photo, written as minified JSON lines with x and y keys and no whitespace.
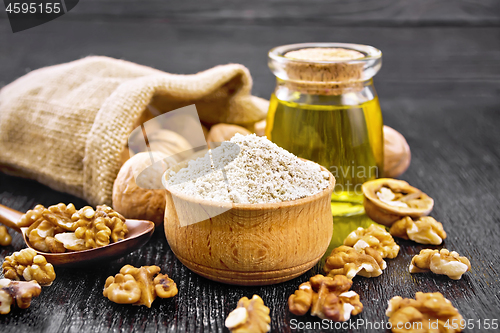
{"x":371,"y":53}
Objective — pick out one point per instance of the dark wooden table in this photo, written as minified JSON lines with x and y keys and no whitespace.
{"x":439,"y":86}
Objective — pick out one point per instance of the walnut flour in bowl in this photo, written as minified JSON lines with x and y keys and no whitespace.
{"x":249,"y":169}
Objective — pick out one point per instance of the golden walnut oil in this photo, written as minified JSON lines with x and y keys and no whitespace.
{"x":345,"y":139}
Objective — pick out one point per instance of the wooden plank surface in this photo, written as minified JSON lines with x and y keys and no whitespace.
{"x":420,"y":62}
{"x":453,"y":161}
{"x":439,"y":86}
{"x":296,"y":12}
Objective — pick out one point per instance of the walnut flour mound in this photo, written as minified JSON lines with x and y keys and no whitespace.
{"x":249,"y":169}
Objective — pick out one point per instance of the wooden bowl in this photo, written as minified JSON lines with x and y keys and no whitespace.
{"x":249,"y":244}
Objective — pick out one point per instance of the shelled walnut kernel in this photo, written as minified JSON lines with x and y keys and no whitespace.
{"x":139,"y":286}
{"x":440,"y":262}
{"x":17,"y":293}
{"x":424,"y":230}
{"x":345,"y":260}
{"x":29,"y":265}
{"x":46,"y":222}
{"x":375,"y":237}
{"x":326,"y":297}
{"x":423,"y":313}
{"x":250,"y":316}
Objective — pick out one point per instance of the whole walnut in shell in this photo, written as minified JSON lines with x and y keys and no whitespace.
{"x":397,"y":155}
{"x":224,"y":132}
{"x":166,"y":142}
{"x":147,"y":201}
{"x":259,"y":128}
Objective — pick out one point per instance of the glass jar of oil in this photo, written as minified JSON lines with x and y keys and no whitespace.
{"x":325,"y":109}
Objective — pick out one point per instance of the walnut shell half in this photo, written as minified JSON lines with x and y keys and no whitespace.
{"x":387,"y":200}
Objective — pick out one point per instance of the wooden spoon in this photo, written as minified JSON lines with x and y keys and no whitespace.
{"x":139,"y":232}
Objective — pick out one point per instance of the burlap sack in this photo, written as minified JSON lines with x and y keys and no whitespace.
{"x":67,"y":125}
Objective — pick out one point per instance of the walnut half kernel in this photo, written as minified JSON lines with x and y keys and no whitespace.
{"x":348,"y":261}
{"x":28,"y":265}
{"x":441,"y":262}
{"x":326,"y":298}
{"x":424,"y":230}
{"x":17,"y":293}
{"x":428,"y":312}
{"x":375,"y":237}
{"x":139,"y":286}
{"x":250,"y":316}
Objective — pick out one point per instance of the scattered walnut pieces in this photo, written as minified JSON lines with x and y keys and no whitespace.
{"x":60,"y":227}
{"x":388,"y":200}
{"x":424,"y":230}
{"x":348,"y":261}
{"x":375,"y":237}
{"x":29,"y":265}
{"x":327,"y":297}
{"x":250,"y":316}
{"x":5,"y":238}
{"x":18,"y":293}
{"x":139,"y":286}
{"x":429,"y":312}
{"x":440,"y":262}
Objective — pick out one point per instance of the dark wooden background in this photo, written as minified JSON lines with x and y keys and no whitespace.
{"x":439,"y":86}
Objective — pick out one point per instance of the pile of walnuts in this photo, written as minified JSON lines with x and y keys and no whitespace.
{"x":60,"y":228}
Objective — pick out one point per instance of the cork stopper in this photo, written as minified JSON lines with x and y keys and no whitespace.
{"x":324,"y":71}
{"x":324,"y":54}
